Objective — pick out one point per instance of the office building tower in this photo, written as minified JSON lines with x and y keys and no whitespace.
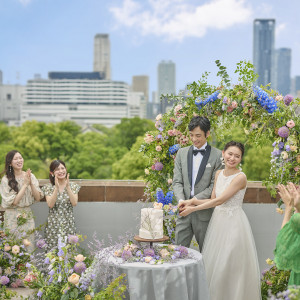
{"x":102,"y":55}
{"x":141,"y":84}
{"x":85,"y":101}
{"x":263,"y":50}
{"x":166,"y":73}
{"x":10,"y":103}
{"x":282,"y":71}
{"x":296,"y":86}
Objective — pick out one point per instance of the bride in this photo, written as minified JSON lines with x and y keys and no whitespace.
{"x":229,"y":251}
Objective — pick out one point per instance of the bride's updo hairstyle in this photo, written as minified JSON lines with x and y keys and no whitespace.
{"x":235,"y":144}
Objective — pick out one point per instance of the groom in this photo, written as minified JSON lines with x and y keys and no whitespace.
{"x":194,"y":174}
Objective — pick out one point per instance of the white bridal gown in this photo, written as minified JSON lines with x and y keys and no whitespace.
{"x":229,"y":251}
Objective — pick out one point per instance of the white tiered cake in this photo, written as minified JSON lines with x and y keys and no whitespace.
{"x":151,"y":223}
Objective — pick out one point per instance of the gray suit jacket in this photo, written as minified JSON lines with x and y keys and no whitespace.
{"x":182,"y":179}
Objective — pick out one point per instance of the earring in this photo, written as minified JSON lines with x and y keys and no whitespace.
{"x":10,"y":169}
{"x":240,"y":167}
{"x":52,"y":175}
{"x":222,"y":161}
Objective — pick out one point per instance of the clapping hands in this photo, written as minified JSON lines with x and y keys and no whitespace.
{"x":27,"y":177}
{"x":289,"y":195}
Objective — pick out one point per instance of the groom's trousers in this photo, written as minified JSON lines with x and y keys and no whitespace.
{"x":187,"y":227}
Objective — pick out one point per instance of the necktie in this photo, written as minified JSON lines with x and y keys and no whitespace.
{"x":202,"y":151}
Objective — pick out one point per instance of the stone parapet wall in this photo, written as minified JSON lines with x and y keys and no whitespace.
{"x":133,"y":190}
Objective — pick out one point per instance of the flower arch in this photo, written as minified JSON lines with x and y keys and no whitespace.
{"x":266,"y":116}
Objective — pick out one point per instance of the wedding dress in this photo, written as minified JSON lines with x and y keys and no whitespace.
{"x":229,"y":251}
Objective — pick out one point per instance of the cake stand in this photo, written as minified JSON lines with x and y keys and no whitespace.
{"x":151,"y":241}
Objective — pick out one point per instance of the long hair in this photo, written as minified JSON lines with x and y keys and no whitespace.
{"x":54,"y":164}
{"x":9,"y":170}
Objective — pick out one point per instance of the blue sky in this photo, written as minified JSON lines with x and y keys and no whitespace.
{"x":38,"y":36}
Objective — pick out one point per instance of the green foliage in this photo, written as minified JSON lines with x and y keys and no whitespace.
{"x":6,"y":294}
{"x":88,"y":156}
{"x":258,"y":113}
{"x":131,"y":165}
{"x":274,"y":281}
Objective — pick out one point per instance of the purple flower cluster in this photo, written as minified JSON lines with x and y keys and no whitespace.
{"x":201,"y":103}
{"x":73,"y":239}
{"x":79,"y":267}
{"x":149,"y":252}
{"x":4,"y":280}
{"x":183,"y":251}
{"x":288,"y":99}
{"x":41,"y":243}
{"x":158,"y":166}
{"x":283,"y":132}
{"x":265,"y":100}
{"x":126,"y":254}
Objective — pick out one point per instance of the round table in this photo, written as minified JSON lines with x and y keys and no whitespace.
{"x":183,"y":279}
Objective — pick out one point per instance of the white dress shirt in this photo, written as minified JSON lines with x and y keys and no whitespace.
{"x":197,"y":159}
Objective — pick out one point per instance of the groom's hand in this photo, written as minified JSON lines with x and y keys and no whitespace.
{"x":186,"y":211}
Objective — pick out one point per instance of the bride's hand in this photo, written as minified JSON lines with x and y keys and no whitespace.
{"x":183,"y":204}
{"x":187,"y":210}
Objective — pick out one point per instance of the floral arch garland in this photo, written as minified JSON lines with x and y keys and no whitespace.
{"x":266,"y":116}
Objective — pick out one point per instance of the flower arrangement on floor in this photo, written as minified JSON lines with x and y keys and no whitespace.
{"x":13,"y":256}
{"x":159,"y":254}
{"x":63,"y":275}
{"x":273,"y":281}
{"x":265,"y":115}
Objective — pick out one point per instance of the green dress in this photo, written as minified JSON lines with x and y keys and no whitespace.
{"x":61,"y":218}
{"x":287,"y":252}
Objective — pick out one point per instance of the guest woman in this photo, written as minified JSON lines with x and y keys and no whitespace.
{"x":61,"y":195}
{"x":19,"y":190}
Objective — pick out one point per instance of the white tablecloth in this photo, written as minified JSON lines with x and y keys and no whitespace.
{"x":181,"y":280}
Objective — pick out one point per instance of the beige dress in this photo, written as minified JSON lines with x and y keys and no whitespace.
{"x":23,"y":207}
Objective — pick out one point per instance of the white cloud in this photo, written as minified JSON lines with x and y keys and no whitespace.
{"x":280,"y":28}
{"x":25,"y":2}
{"x":177,"y":19}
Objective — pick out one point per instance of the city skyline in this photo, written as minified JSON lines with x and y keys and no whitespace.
{"x":39,"y":36}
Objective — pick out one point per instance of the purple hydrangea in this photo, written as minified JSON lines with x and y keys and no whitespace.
{"x":283,"y":132}
{"x":149,"y":252}
{"x":288,"y":99}
{"x":287,"y":148}
{"x":126,"y":254}
{"x":4,"y":280}
{"x":73,"y":239}
{"x":79,"y":267}
{"x":41,"y":243}
{"x":183,"y":251}
{"x":158,"y":166}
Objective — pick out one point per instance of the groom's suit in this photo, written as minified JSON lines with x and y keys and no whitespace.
{"x":195,"y":223}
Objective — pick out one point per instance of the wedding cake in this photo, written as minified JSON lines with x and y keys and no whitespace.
{"x":151,"y":223}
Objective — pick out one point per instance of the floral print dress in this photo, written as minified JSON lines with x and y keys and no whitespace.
{"x":61,"y":218}
{"x":23,"y":209}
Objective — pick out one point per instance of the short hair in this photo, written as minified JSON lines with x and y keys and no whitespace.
{"x":235,"y":144}
{"x":201,"y":122}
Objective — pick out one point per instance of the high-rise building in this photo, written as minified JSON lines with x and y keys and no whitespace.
{"x":282,"y":71}
{"x":166,"y":72}
{"x":102,"y":55}
{"x":141,"y":84}
{"x":10,"y":102}
{"x":296,"y":86}
{"x":263,"y":49}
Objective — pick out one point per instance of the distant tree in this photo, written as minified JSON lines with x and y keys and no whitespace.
{"x":131,"y":165}
{"x":129,"y":129}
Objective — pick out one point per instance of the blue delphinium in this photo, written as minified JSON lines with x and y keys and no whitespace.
{"x":211,"y":98}
{"x":173,"y":149}
{"x":160,"y":196}
{"x":169,"y":197}
{"x":265,"y":100}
